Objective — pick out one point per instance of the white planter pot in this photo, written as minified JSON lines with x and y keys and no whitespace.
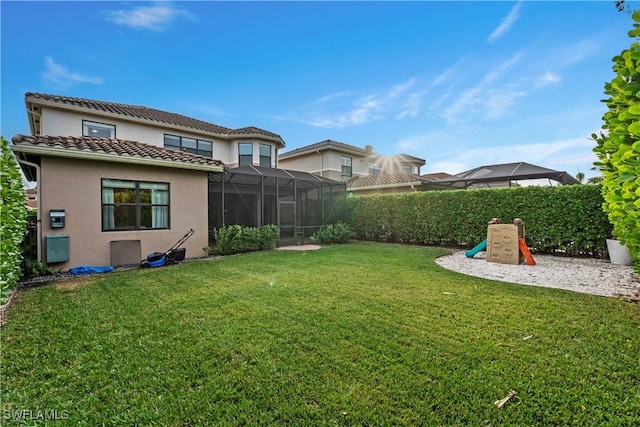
{"x":618,"y":254}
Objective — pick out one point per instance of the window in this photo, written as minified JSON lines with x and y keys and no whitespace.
{"x":412,"y":169}
{"x":374,"y":169}
{"x":134,"y":205}
{"x":265,"y":155}
{"x":189,"y":145}
{"x":346,"y":166}
{"x":245,"y":154}
{"x":100,"y":130}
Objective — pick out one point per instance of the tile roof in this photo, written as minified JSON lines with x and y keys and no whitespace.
{"x":324,"y":145}
{"x":252,"y":130}
{"x":396,"y":179}
{"x":146,"y":113}
{"x":112,"y":149}
{"x":436,"y":175}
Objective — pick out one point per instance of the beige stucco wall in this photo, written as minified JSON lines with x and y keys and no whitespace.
{"x":234,"y":155}
{"x":326,"y":163}
{"x":75,"y":186}
{"x":66,"y":123}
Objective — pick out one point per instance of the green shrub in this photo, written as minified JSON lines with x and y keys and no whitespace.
{"x":618,"y":150}
{"x":12,"y":221}
{"x":333,"y":233}
{"x":560,"y":218}
{"x":233,"y":239}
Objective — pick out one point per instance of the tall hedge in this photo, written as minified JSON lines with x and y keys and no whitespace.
{"x":618,"y":147}
{"x":13,"y":222}
{"x":561,"y":218}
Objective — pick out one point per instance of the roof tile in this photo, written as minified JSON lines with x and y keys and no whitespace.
{"x":392,"y":179}
{"x":115,"y":146}
{"x":146,"y":113}
{"x":324,"y":145}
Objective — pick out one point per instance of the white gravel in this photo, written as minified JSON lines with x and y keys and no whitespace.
{"x":591,"y":276}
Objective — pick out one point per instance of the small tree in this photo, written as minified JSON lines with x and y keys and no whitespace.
{"x":13,"y":222}
{"x":618,"y":147}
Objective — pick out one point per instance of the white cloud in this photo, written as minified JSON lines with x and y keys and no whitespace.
{"x":506,"y":24}
{"x":546,"y":79}
{"x":210,"y":111}
{"x":60,"y":76}
{"x":486,"y":100}
{"x":326,"y":98}
{"x":155,"y":18}
{"x":364,"y":109}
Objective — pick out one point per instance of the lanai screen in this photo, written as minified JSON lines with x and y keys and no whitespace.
{"x":297,"y":202}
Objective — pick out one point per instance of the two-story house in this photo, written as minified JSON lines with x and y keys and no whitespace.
{"x":116,"y":182}
{"x":363,"y":170}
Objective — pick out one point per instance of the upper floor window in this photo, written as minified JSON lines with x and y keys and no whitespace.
{"x":346,"y":166}
{"x":100,"y":130}
{"x":245,"y":154}
{"x":134,"y":205}
{"x":265,"y":155}
{"x":374,"y":169}
{"x":189,"y":145}
{"x":412,"y":169}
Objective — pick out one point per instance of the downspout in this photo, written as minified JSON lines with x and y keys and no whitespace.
{"x":38,"y":208}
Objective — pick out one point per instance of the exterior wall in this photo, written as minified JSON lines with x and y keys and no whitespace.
{"x":65,"y":123}
{"x":327,"y":163}
{"x":234,"y":152}
{"x":75,"y":186}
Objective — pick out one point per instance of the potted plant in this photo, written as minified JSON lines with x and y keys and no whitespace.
{"x":618,"y":253}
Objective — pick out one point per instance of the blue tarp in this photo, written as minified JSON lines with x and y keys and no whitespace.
{"x":87,"y":269}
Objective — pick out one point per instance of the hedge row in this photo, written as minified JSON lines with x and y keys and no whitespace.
{"x":557,"y":219}
{"x":12,"y":220}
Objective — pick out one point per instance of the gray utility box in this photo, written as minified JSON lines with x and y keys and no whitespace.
{"x":57,"y":248}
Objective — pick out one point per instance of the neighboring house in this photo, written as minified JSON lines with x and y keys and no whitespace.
{"x":31,"y":194}
{"x":116,"y":182}
{"x":363,"y":170}
{"x":434,"y":176}
{"x":395,"y":183}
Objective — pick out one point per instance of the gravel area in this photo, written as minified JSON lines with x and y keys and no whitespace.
{"x":591,"y":276}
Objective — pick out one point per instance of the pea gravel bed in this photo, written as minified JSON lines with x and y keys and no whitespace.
{"x":586,"y":275}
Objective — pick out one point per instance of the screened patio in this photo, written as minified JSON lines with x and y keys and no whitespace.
{"x":299,"y":203}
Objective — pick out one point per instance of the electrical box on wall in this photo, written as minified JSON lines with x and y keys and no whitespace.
{"x":57,"y":218}
{"x":57,"y":246}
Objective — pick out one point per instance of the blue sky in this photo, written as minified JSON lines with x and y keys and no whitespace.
{"x":459,"y":84}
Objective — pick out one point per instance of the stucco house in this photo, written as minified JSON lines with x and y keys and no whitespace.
{"x":363,"y":170}
{"x":116,"y":181}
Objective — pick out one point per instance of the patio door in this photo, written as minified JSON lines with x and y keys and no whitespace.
{"x":287,"y":223}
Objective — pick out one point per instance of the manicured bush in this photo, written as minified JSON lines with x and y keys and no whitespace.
{"x":233,"y":239}
{"x":12,"y":221}
{"x":618,"y":148}
{"x":560,"y":218}
{"x":333,"y":233}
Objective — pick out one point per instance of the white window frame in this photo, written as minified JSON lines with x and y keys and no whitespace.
{"x":89,"y":127}
{"x":346,"y":168}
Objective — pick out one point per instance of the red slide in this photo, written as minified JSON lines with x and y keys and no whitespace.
{"x":526,"y":253}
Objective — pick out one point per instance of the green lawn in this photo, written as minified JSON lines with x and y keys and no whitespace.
{"x":357,"y":334}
